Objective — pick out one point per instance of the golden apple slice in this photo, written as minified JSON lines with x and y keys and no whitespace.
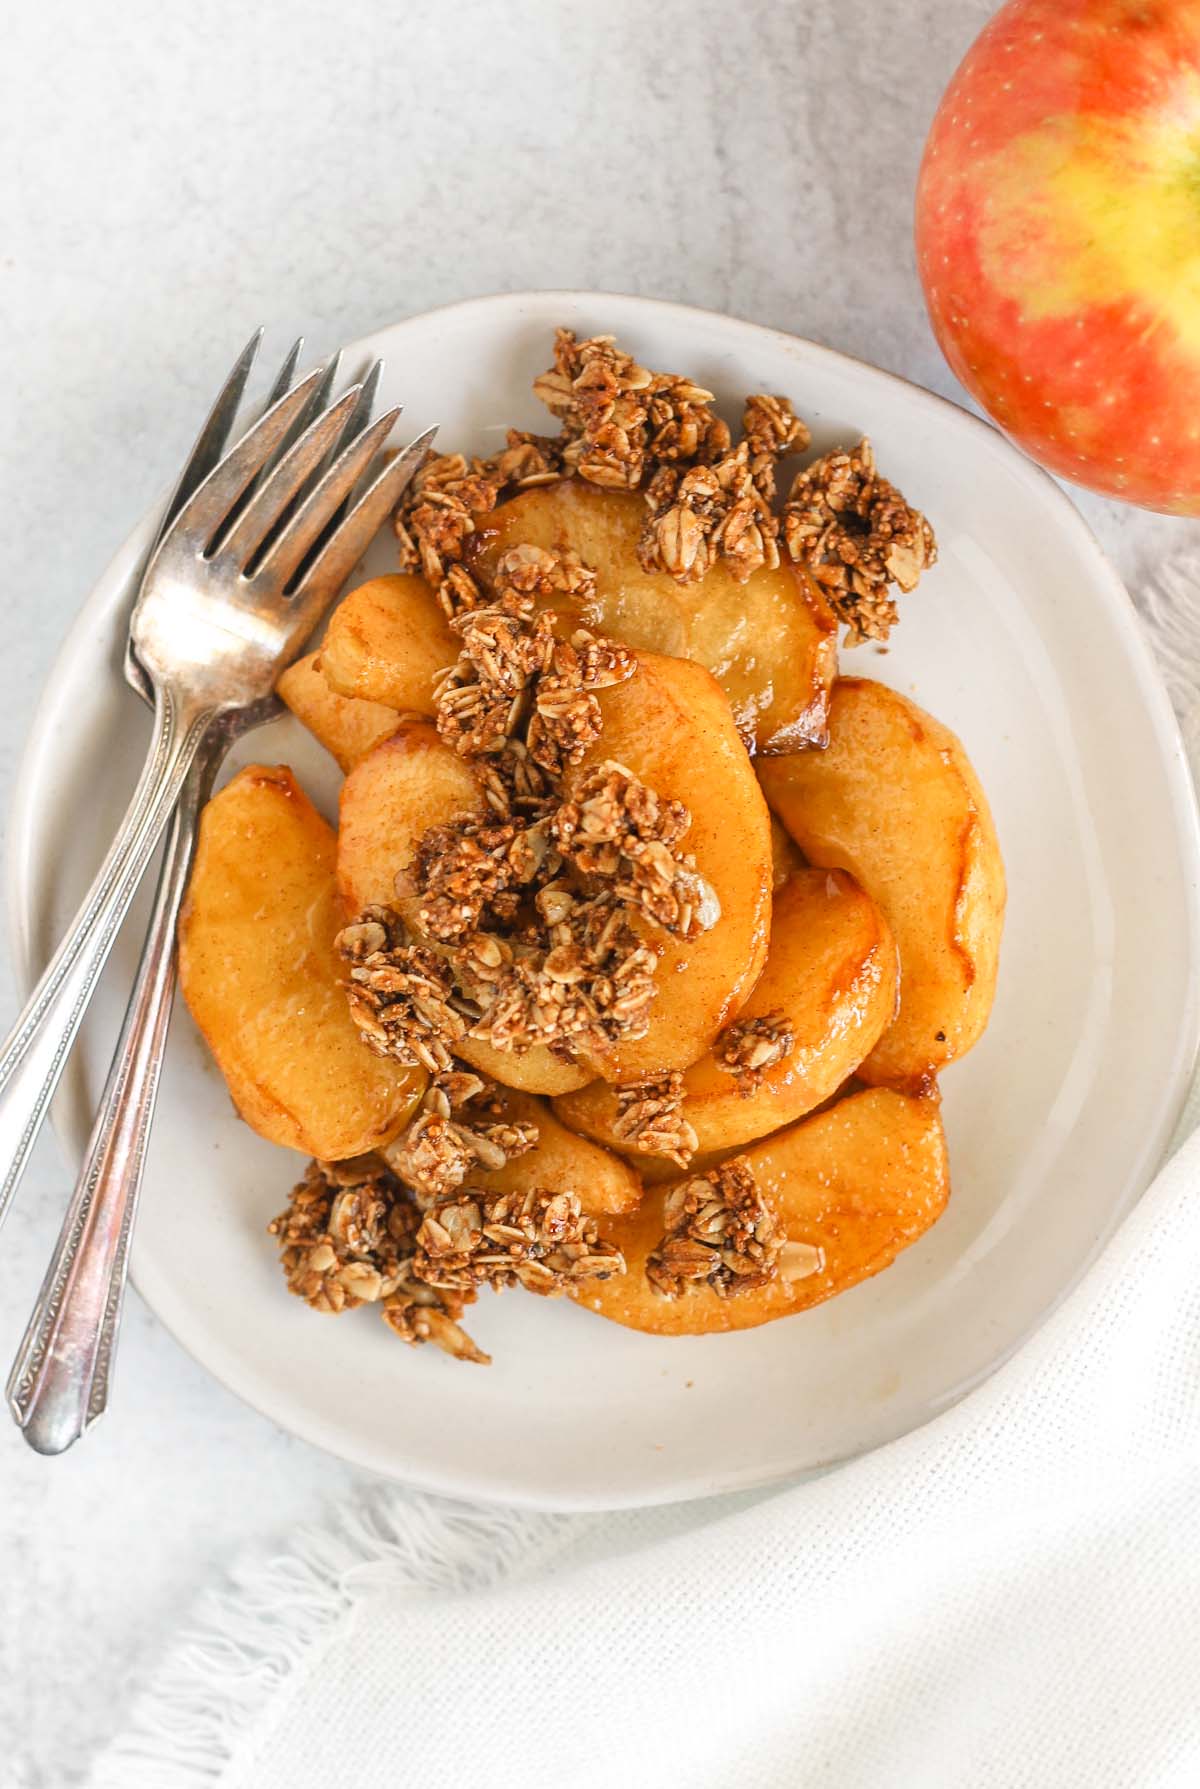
{"x":409,"y":783}
{"x":831,"y":971}
{"x":346,"y":726}
{"x":670,"y":724}
{"x":894,"y":800}
{"x":562,"y":1163}
{"x":386,"y":642}
{"x":858,"y":1183}
{"x":262,"y":980}
{"x":771,"y":642}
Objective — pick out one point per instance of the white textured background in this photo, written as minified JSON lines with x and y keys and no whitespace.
{"x":170,"y":175}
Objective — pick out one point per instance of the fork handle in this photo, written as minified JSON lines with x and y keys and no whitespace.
{"x":34,"y":1053}
{"x":59,"y":1381}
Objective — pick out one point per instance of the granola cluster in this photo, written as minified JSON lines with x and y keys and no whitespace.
{"x":439,"y":511}
{"x":349,"y":1237}
{"x":650,"y":1119}
{"x":710,"y":499}
{"x":518,"y":694}
{"x":537,"y":1239}
{"x":525,"y":913}
{"x":749,"y":1047}
{"x":407,"y":1230}
{"x":857,"y":535}
{"x":720,"y":1232}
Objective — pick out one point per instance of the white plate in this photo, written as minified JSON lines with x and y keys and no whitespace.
{"x":1024,"y":642}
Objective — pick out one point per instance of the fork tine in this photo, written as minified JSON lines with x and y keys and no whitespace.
{"x":288,"y":478}
{"x":209,"y":506}
{"x":320,"y":508}
{"x":351,"y":538}
{"x":361,"y":414}
{"x":286,"y":373}
{"x":209,"y":444}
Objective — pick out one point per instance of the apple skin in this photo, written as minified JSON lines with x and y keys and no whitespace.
{"x":1058,"y":239}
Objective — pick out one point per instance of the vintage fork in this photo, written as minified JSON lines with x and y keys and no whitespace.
{"x":59,"y":1383}
{"x":229,"y":598}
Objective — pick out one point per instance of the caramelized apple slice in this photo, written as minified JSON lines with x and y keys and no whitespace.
{"x":262,"y":980}
{"x":562,"y":1163}
{"x":894,"y":800}
{"x":856,"y":1184}
{"x":831,"y":972}
{"x":346,"y":726}
{"x":771,"y":642}
{"x":670,"y":724}
{"x":386,"y":642}
{"x":410,"y":782}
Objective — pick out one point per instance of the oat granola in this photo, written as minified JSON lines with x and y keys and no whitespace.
{"x":349,"y":1237}
{"x":650,"y":1118}
{"x":857,"y":535}
{"x":749,"y":1047}
{"x":721,"y":1232}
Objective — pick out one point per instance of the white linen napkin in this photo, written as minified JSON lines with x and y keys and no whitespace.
{"x":1009,"y":1597}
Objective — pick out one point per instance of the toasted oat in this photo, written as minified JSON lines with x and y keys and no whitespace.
{"x":619,"y":829}
{"x":749,"y":1047}
{"x":587,"y":983}
{"x":537,"y":1239}
{"x":459,"y":1128}
{"x":618,"y":418}
{"x":650,"y":1119}
{"x":528,"y":575}
{"x":436,"y":516}
{"x":720,"y":1232}
{"x":772,"y":429}
{"x":857,"y":535}
{"x":400,"y":993}
{"x":470,"y":872}
{"x":348,"y":1238}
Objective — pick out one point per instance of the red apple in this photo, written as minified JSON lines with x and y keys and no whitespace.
{"x":1058,"y":237}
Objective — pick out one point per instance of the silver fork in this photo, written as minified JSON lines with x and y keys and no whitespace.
{"x":60,"y":1379}
{"x":226,"y":603}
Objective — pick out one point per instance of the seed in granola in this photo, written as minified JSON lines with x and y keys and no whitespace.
{"x":857,"y":535}
{"x":749,"y":1047}
{"x":720,"y":1231}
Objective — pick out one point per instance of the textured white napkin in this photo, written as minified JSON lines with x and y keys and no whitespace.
{"x":1009,"y":1597}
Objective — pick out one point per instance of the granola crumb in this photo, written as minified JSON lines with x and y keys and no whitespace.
{"x":618,"y":828}
{"x":537,"y":1239}
{"x":720,"y":1232}
{"x":749,"y":1047}
{"x":400,"y":993}
{"x":458,"y":1129}
{"x":349,"y":1238}
{"x":650,"y":1119}
{"x":857,"y":535}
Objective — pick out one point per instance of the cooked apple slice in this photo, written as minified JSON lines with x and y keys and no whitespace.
{"x":831,"y":972}
{"x":386,"y":642}
{"x":894,"y":800}
{"x":409,"y":783}
{"x":771,"y":642}
{"x":856,"y":1184}
{"x":562,"y":1162}
{"x":670,"y":724}
{"x":262,"y":980}
{"x":346,"y":726}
